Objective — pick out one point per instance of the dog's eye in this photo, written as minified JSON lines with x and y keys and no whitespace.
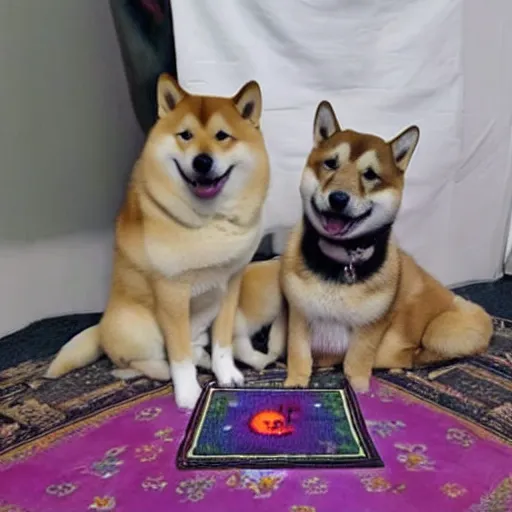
{"x":221,"y":135}
{"x":331,"y":163}
{"x":370,"y":175}
{"x":185,"y":135}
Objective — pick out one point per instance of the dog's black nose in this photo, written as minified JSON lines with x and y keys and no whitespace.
{"x":338,"y":200}
{"x":202,"y":163}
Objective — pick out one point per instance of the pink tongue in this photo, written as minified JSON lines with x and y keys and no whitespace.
{"x":334,"y":226}
{"x":208,"y":191}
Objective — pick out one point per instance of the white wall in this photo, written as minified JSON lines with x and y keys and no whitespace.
{"x":68,"y":139}
{"x":443,"y":64}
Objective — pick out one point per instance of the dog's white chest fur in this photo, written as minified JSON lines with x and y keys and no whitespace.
{"x":203,"y":310}
{"x":329,"y":337}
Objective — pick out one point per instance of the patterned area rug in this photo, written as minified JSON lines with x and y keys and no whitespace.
{"x":90,"y":441}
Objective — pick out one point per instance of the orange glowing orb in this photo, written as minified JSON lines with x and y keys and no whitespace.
{"x":270,"y":423}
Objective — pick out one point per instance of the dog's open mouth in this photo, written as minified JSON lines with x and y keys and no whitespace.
{"x":336,"y":224}
{"x":205,"y":188}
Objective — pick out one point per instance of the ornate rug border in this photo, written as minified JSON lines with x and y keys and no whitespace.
{"x":51,"y":438}
{"x":477,"y":429}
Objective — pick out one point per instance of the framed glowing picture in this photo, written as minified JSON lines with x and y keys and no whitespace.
{"x":277,"y":428}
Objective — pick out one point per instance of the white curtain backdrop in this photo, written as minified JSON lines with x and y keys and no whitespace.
{"x":384,"y":64}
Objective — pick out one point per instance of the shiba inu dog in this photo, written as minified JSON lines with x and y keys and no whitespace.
{"x":352,"y":294}
{"x":190,"y":223}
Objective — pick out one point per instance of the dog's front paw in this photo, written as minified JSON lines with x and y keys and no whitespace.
{"x":187,"y":397}
{"x":224,"y":368}
{"x":360,"y":384}
{"x":229,"y":376}
{"x":186,"y":387}
{"x":296,"y":382}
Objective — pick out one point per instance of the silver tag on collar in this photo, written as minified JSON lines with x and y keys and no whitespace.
{"x":349,"y":273}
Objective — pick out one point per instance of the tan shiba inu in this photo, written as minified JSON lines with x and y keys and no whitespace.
{"x":353,"y":295}
{"x":190,"y":223}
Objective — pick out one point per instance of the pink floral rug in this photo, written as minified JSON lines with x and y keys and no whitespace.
{"x":125,"y":461}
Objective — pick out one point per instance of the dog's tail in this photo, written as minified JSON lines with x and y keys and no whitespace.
{"x":81,"y":350}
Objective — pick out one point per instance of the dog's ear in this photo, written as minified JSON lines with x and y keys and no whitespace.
{"x":248,"y":102}
{"x":403,"y":146}
{"x":169,"y":94}
{"x":325,"y":124}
